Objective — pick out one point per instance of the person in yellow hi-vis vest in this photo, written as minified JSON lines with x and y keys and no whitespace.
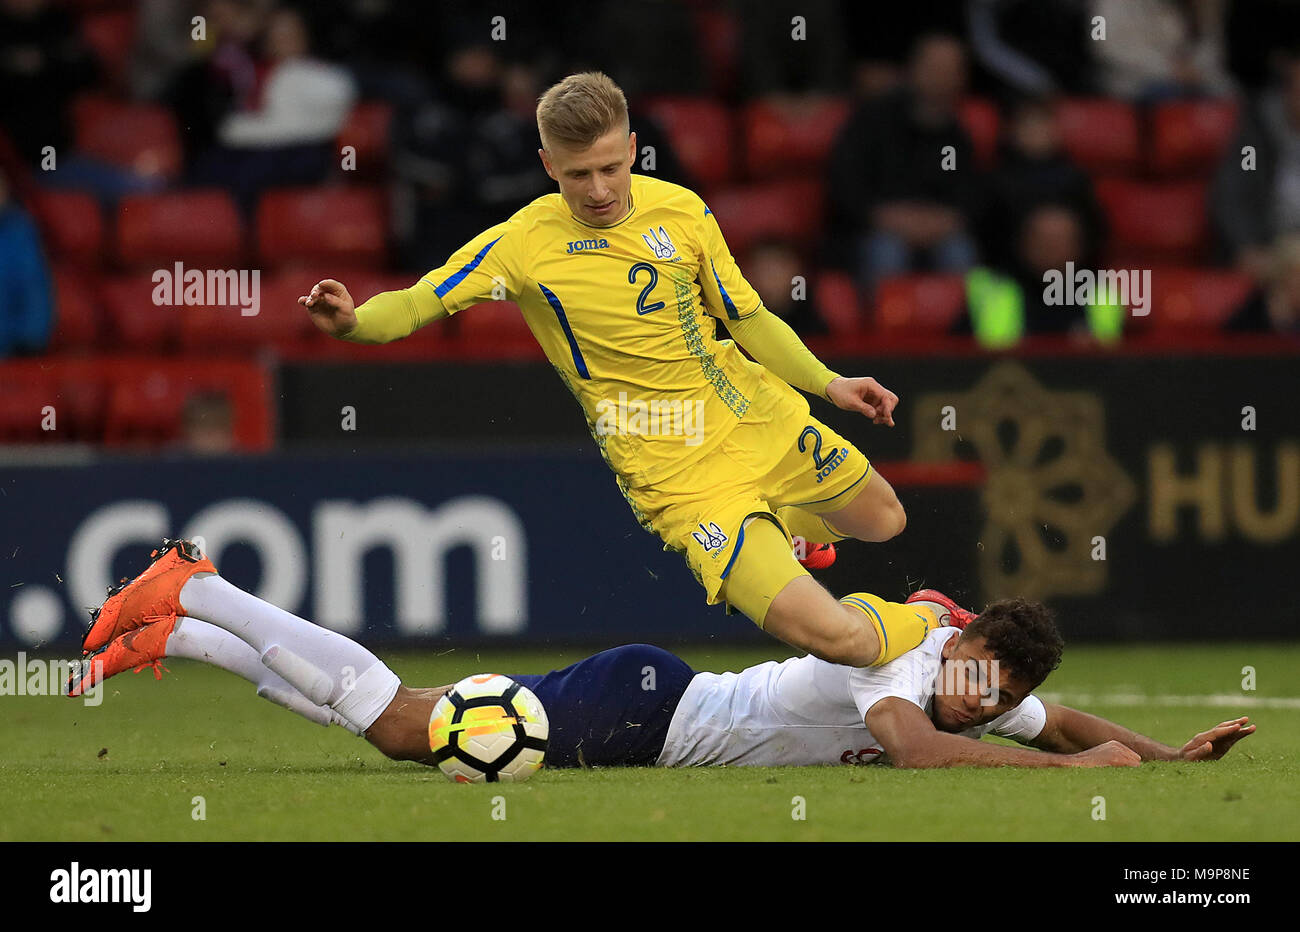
{"x":1037,"y":297}
{"x":620,"y":277}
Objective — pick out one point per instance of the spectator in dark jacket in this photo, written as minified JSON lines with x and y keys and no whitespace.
{"x":1033,"y":171}
{"x":902,"y":182}
{"x":1251,"y":205}
{"x":43,"y":64}
{"x":1006,"y":305}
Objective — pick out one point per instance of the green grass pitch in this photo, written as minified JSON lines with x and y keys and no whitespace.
{"x":265,"y":774}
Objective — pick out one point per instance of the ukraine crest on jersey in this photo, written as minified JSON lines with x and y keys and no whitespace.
{"x":623,"y":313}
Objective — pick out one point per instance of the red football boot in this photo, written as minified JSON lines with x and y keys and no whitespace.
{"x":950,"y":614}
{"x":815,"y":556}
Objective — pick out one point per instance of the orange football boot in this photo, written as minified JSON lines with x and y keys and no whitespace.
{"x":151,"y":597}
{"x":143,"y":647}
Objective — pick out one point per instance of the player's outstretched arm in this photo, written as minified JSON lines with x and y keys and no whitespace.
{"x":388,"y":316}
{"x":1069,"y":731}
{"x":911,"y":740}
{"x":773,"y":344}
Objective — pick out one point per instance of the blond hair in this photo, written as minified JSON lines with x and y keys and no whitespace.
{"x":580,"y":109}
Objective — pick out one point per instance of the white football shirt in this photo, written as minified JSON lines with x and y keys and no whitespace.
{"x":805,"y":711}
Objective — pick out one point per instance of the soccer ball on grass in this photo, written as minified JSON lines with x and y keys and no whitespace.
{"x":488,"y":728}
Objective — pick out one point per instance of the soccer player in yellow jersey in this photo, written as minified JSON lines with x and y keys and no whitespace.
{"x":620,"y":277}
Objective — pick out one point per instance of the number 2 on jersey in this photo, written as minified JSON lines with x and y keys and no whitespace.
{"x":641,"y":307}
{"x":818,"y":461}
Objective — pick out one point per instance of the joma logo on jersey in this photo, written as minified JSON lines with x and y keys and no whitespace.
{"x":581,"y":245}
{"x":832,"y":463}
{"x":659,"y":243}
{"x":712,"y":537}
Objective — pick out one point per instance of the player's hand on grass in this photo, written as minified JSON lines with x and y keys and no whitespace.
{"x":1213,"y":744}
{"x":864,"y":395}
{"x":1110,"y":754}
{"x":331,"y":307}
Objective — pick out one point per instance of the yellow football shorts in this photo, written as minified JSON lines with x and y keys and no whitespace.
{"x":703,"y":511}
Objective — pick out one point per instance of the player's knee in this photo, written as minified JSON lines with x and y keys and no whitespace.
{"x":898,"y":517}
{"x":888,"y":522}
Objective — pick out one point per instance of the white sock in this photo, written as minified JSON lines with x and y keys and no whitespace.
{"x":326,"y":667}
{"x":195,"y":639}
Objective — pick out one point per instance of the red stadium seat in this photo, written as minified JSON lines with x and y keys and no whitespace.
{"x":22,"y":403}
{"x":367,"y":129}
{"x":1196,"y":299}
{"x":135,"y":322}
{"x":787,"y":210}
{"x":147,"y":409}
{"x":1155,"y":223}
{"x":72,"y":226}
{"x":980,"y":119}
{"x":80,"y":403}
{"x":322,"y":225}
{"x":1101,"y":135}
{"x":77,"y":315}
{"x":141,"y":137}
{"x":279,"y":322}
{"x":837,"y":302}
{"x":700,"y":131}
{"x":366,"y":284}
{"x":111,"y":35}
{"x":781,"y":141}
{"x":200,"y":228}
{"x":493,"y":323}
{"x":920,"y":303}
{"x":281,"y":288}
{"x":1190,"y":136}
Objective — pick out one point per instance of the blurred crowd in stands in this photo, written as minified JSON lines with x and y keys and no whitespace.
{"x":919,"y":164}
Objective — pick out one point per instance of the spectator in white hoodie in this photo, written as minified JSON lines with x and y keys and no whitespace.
{"x":286,"y":136}
{"x":302,"y":100}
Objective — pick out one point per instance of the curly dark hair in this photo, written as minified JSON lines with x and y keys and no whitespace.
{"x":1022,"y":635}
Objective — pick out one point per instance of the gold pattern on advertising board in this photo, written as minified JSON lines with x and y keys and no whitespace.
{"x":1052,"y":486}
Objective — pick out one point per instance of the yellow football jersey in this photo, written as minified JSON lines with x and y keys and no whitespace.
{"x":624,"y":313}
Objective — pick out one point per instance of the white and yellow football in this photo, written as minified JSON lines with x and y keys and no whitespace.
{"x":488,"y":729}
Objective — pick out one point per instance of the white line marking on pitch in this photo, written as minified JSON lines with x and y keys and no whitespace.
{"x":1215,"y":701}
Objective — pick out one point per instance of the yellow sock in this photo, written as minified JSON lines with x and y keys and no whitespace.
{"x":900,"y":627}
{"x":812,"y":528}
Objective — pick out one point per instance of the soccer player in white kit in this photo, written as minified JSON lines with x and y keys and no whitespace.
{"x":641,"y":705}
